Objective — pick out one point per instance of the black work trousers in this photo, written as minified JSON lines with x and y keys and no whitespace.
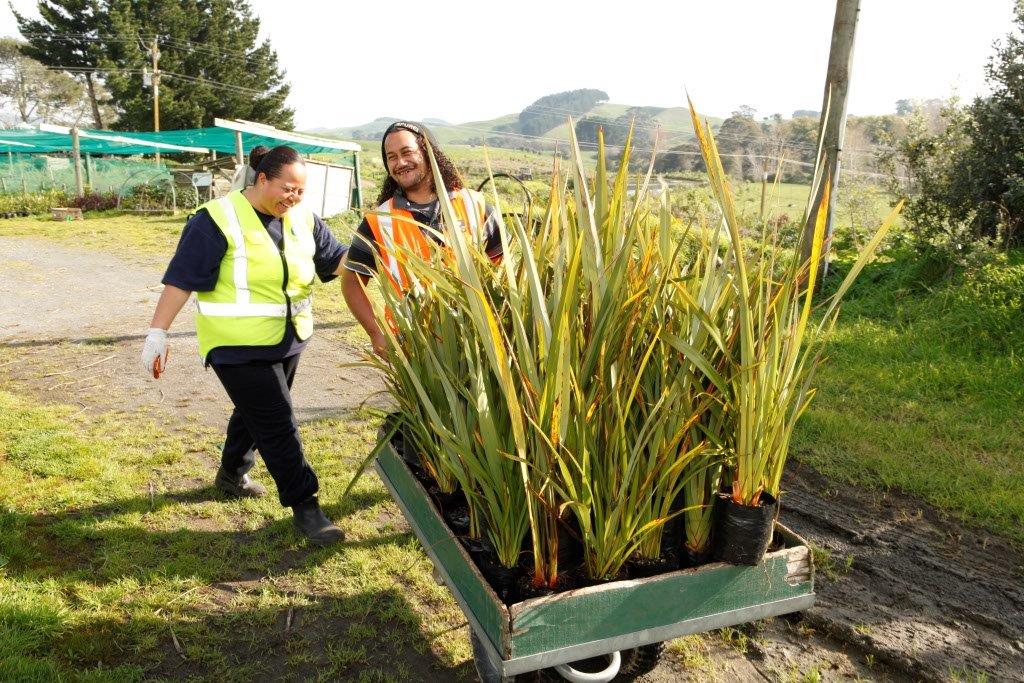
{"x":263,"y":420}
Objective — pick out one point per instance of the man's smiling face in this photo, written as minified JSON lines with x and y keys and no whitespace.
{"x":406,"y":163}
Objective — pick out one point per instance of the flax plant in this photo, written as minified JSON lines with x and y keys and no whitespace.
{"x":625,"y":452}
{"x":676,"y":447}
{"x":608,"y":365}
{"x":768,"y":385}
{"x":703,"y":298}
{"x":442,"y":381}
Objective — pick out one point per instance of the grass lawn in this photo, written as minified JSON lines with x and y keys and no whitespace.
{"x":118,"y":561}
{"x":923,"y":391}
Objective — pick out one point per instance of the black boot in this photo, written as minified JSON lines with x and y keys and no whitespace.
{"x":312,"y":523}
{"x":238,"y":488}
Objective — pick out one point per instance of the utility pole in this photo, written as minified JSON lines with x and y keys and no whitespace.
{"x":832,"y":129}
{"x":154,"y":52}
{"x":76,"y":155}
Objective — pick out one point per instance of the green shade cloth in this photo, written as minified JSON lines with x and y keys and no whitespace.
{"x":216,"y":139}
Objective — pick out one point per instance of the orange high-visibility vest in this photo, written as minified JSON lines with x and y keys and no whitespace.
{"x":396,"y":229}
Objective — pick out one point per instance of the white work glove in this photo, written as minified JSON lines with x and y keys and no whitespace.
{"x":154,"y":352}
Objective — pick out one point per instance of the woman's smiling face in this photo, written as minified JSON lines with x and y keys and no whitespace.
{"x":283,"y":192}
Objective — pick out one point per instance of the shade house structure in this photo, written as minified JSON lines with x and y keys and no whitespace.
{"x":332,"y":187}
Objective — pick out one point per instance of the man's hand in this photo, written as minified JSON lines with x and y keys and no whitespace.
{"x":154,"y":352}
{"x":380,"y":345}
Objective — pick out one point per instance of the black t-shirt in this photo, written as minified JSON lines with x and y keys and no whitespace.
{"x":361,"y":259}
{"x":195,"y":267}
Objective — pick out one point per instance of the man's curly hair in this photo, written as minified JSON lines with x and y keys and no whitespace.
{"x":449,"y":174}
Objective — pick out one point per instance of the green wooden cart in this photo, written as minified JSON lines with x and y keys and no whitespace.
{"x":556,"y":630}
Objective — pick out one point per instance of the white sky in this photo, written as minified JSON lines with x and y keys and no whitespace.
{"x":350,"y":62}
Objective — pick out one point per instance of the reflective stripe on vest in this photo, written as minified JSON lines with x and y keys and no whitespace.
{"x":387,"y":236}
{"x":251,"y":300}
{"x":253,"y":310}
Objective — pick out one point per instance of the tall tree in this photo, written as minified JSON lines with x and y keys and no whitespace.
{"x":992,"y":166}
{"x":34,"y":92}
{"x":211,"y":64}
{"x":65,"y":36}
{"x":739,"y":140}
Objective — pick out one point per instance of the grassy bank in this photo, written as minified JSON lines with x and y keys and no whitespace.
{"x":924,"y":391}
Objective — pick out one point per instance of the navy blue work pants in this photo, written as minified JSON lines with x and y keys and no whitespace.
{"x":263,"y":420}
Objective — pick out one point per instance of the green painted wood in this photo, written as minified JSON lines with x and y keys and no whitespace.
{"x":598,"y":612}
{"x":434,"y":533}
{"x":629,"y":606}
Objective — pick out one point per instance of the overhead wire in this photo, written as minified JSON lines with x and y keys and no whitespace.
{"x":186,"y":44}
{"x":164,"y":41}
{"x":789,"y":144}
{"x":682,"y":153}
{"x":230,"y":87}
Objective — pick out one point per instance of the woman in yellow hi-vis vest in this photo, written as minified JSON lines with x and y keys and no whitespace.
{"x":251,"y":258}
{"x":409,"y":197}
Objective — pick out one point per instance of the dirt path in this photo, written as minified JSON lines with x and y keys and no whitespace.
{"x":913,"y":589}
{"x":88,"y":312}
{"x":904,"y":594}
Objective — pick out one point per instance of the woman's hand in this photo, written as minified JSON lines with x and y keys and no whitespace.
{"x":154,"y":352}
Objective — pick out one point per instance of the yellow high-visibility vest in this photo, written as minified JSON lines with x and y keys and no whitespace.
{"x":252,"y":299}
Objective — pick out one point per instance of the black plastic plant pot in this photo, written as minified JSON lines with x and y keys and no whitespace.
{"x":502,"y":579}
{"x":743,"y":533}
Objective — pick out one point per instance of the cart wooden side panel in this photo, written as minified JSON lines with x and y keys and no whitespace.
{"x":577,"y":624}
{"x":449,"y":556}
{"x":625,"y":607}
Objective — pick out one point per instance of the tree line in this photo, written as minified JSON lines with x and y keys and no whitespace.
{"x":90,"y":62}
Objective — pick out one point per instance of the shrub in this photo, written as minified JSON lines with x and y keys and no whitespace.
{"x":95,"y":201}
{"x":32,"y":203}
{"x":966,"y":182}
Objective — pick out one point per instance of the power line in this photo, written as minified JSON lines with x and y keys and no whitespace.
{"x":594,"y":145}
{"x":166,"y":42}
{"x":238,"y":89}
{"x":223,"y":86}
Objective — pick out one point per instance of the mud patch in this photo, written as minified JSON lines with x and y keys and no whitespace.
{"x":912,"y":590}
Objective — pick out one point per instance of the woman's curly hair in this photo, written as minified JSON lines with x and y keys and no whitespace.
{"x":449,"y":174}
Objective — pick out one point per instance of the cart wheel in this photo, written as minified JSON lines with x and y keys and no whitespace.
{"x":635,"y":663}
{"x":639,"y":661}
{"x":484,"y":669}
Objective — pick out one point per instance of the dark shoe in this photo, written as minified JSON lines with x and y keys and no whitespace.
{"x":312,"y":523}
{"x":239,"y":488}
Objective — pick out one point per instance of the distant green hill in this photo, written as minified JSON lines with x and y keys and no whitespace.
{"x":502,"y":131}
{"x":368,"y":131}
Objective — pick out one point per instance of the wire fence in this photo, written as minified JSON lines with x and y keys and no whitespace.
{"x":41,"y":173}
{"x":29,"y":181}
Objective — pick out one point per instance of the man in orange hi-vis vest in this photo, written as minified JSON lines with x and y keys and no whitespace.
{"x":409,"y":197}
